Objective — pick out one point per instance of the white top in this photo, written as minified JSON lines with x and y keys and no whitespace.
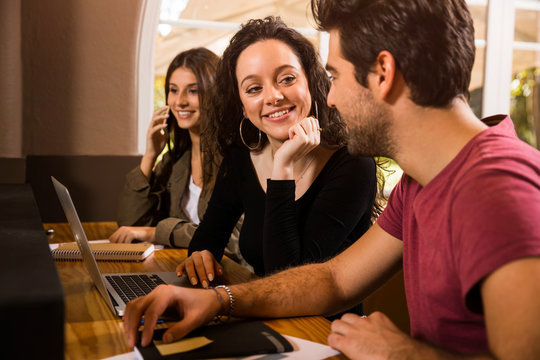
{"x":190,"y":201}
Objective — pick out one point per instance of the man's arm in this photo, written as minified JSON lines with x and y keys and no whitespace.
{"x":511,"y":299}
{"x":308,"y":290}
{"x":326,"y":288}
{"x":511,"y":307}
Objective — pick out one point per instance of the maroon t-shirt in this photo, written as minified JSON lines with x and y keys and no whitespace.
{"x":479,"y":213}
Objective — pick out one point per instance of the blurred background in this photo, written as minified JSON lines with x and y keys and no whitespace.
{"x":80,"y":80}
{"x":513,"y":63}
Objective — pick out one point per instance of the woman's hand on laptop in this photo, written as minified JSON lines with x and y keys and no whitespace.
{"x":200,"y":265}
{"x":196,"y":307}
{"x":127,"y":234}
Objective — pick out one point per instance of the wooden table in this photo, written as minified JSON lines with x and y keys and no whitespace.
{"x":93,"y":332}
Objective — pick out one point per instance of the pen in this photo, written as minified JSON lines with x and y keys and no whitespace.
{"x":159,"y":321}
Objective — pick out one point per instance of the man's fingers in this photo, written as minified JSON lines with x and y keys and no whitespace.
{"x":154,"y":311}
{"x":178,"y":330}
{"x":132,"y":320}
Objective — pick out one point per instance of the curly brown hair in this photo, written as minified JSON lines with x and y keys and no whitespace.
{"x":227,"y":107}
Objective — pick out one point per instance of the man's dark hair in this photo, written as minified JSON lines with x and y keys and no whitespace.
{"x":432,"y":42}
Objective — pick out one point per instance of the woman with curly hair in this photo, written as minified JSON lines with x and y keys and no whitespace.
{"x":286,"y":164}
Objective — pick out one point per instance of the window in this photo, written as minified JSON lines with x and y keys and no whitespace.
{"x":525,"y":91}
{"x":512,"y":62}
{"x":504,"y":79}
{"x":211,"y":24}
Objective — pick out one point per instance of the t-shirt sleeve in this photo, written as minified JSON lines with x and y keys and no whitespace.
{"x":391,"y":219}
{"x":496,"y":221}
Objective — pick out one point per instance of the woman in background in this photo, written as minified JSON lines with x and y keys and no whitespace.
{"x":163,"y":202}
{"x":286,"y":164}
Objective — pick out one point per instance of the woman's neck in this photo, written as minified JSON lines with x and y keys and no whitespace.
{"x":195,"y":142}
{"x":196,"y":161}
{"x":274,"y":145}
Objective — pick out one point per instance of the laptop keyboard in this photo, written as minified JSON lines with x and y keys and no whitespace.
{"x":130,"y":287}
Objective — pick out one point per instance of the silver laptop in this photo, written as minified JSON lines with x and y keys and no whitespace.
{"x":116,"y":289}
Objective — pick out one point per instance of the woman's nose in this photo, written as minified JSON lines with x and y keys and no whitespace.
{"x":181,"y":100}
{"x":273,"y":95}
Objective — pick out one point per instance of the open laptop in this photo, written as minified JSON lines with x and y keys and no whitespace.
{"x":116,"y":289}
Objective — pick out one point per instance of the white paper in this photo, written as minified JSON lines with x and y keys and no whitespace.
{"x":126,"y":356}
{"x":304,"y":349}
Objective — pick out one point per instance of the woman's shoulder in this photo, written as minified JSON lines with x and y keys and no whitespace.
{"x":235,"y":157}
{"x":235,"y":153}
{"x":341,"y":158}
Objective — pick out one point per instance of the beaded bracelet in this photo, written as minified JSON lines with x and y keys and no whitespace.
{"x":218,"y":317}
{"x":231,"y":298}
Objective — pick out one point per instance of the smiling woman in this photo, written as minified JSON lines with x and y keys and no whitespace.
{"x":163,"y":202}
{"x":273,"y":89}
{"x":285,"y":166}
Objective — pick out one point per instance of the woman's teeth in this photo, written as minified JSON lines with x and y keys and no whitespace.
{"x":278,"y":114}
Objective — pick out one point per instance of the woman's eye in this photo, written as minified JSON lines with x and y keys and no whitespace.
{"x":173,"y":91}
{"x":288,"y":79}
{"x":331,"y":78}
{"x":253,"y":89}
{"x":193,"y":91}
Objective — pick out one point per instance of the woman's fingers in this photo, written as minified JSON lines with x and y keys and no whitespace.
{"x":180,"y":269}
{"x":189,"y":268}
{"x":204,"y":265}
{"x":200,"y":266}
{"x":306,"y":133}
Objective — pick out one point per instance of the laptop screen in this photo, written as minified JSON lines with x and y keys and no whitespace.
{"x":80,"y":238}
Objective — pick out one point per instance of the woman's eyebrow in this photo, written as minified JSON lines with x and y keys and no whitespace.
{"x":278,"y":69}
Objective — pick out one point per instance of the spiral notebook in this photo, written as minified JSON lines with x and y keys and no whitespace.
{"x":104,"y":251}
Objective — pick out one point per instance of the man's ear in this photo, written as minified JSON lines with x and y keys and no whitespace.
{"x":385,"y":70}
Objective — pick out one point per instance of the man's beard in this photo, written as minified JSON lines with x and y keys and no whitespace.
{"x":369,"y":128}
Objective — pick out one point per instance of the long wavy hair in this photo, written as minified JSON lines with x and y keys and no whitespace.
{"x":227,"y":107}
{"x":226,"y":110}
{"x":203,"y":64}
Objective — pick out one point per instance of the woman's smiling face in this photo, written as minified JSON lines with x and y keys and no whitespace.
{"x":273,"y":87}
{"x":183,"y":98}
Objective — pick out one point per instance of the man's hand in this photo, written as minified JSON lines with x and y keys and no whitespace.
{"x":196,"y":307}
{"x":373,"y":337}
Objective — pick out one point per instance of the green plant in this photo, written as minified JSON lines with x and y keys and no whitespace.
{"x":523,"y":94}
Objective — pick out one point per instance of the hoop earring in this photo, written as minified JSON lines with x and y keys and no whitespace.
{"x":250,"y":148}
{"x":316,"y":110}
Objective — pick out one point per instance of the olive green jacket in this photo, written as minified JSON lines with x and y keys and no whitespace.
{"x":158,"y":203}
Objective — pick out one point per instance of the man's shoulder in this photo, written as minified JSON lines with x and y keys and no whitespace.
{"x":503,"y":155}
